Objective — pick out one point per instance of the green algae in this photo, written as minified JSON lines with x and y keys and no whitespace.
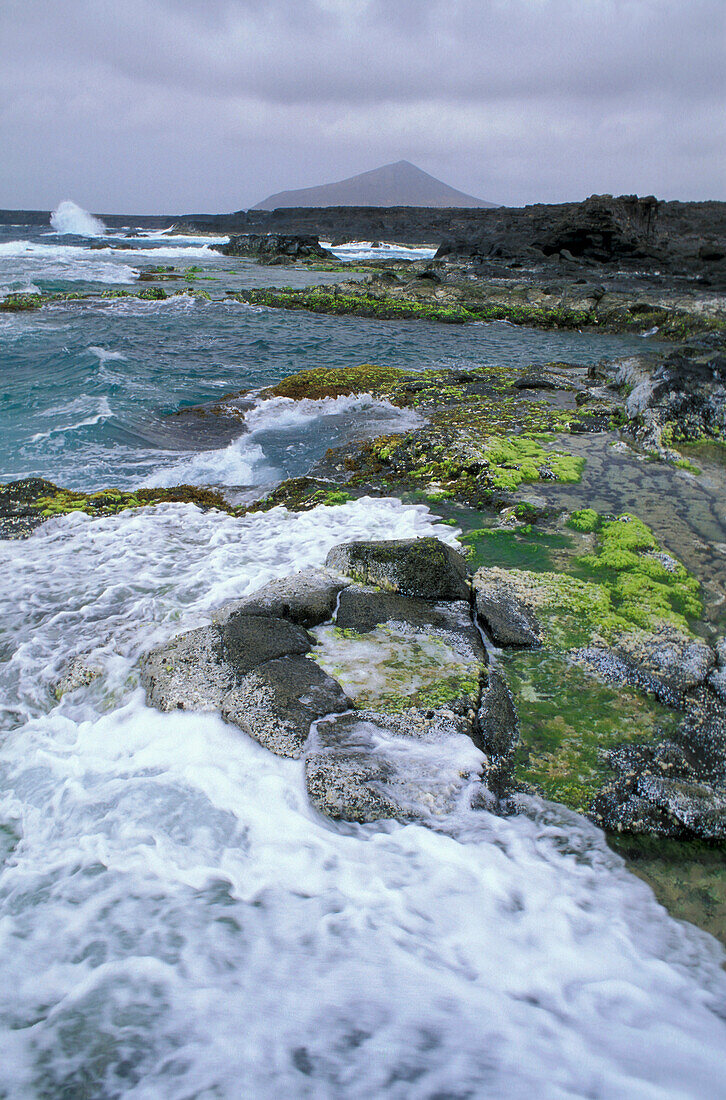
{"x":517,"y":548}
{"x":586,"y":520}
{"x":17,"y":303}
{"x":687,"y":877}
{"x":646,"y":586}
{"x":568,"y":721}
{"x":320,"y":382}
{"x":300,"y":494}
{"x":469,"y":303}
{"x":108,"y":502}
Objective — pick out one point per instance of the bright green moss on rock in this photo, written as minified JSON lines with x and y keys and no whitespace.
{"x":626,"y":584}
{"x":363,"y":303}
{"x":646,"y":585}
{"x":110,"y":501}
{"x":586,"y":520}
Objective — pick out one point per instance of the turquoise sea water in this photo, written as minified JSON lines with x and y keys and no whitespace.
{"x":88,"y":389}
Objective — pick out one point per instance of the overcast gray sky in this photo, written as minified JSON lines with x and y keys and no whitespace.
{"x":210,"y":105}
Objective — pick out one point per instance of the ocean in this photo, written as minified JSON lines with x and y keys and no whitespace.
{"x":175,"y":920}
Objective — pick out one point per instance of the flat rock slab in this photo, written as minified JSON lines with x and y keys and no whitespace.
{"x":363,"y":609}
{"x":363,"y":766}
{"x":251,"y":640}
{"x":423,"y":567}
{"x":307,"y":598}
{"x":507,"y":618}
{"x":277,"y":702}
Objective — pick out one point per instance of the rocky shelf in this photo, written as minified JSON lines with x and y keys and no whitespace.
{"x":375,"y":672}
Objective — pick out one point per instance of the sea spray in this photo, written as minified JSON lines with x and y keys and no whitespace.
{"x":70,"y":218}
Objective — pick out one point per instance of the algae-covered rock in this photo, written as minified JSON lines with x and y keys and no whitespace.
{"x":398,"y":652}
{"x":276,"y":703}
{"x":414,"y":567}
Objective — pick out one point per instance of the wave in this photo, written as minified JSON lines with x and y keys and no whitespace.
{"x":104,"y":356}
{"x":370,"y":250}
{"x":69,"y":218}
{"x":101,"y":412}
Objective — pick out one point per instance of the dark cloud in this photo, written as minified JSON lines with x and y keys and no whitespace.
{"x":178,"y":105}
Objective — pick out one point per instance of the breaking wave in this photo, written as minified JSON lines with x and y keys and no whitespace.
{"x":70,"y":218}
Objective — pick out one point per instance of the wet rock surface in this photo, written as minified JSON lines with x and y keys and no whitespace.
{"x":19,"y":515}
{"x":664,"y":662}
{"x":506,"y":616}
{"x":307,"y":598}
{"x":414,"y":567}
{"x":276,"y":703}
{"x":390,"y":701}
{"x":408,"y":756}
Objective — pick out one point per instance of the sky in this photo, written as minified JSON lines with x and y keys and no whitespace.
{"x":180,"y":106}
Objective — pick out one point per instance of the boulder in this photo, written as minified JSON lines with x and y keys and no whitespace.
{"x":76,"y":674}
{"x":414,"y":567}
{"x":307,"y":598}
{"x":196,"y":670}
{"x":290,"y":246}
{"x":505,"y":614}
{"x":188,"y":672}
{"x":276,"y":703}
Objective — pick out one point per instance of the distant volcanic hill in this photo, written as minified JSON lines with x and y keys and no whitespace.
{"x":399,"y":184}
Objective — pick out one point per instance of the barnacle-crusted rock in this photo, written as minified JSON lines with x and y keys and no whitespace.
{"x":365,"y":765}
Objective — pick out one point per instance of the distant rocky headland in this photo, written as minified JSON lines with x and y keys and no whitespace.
{"x":635,"y":233}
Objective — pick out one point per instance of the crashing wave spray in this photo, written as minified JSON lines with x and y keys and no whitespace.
{"x":68,"y":217}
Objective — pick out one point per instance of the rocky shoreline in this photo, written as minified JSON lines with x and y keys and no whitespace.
{"x":567,"y":653}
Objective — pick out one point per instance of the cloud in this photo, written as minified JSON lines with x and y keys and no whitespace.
{"x":171,"y":104}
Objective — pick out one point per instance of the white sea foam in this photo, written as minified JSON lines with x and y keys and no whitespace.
{"x":177,"y":922}
{"x":73,"y":263}
{"x":365,"y":250}
{"x":69,"y":218}
{"x":105,"y":356}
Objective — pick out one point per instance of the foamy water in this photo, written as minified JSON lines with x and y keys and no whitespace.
{"x":176,"y":921}
{"x":372,"y":250}
{"x":247,"y":461}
